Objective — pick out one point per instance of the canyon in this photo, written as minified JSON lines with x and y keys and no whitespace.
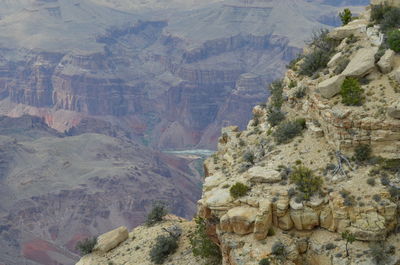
{"x":92,"y":90}
{"x":171,"y":79}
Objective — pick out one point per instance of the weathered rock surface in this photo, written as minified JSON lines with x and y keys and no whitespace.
{"x":331,"y":87}
{"x":355,"y":28}
{"x":262,"y":175}
{"x":362,"y":63}
{"x":111,"y":239}
{"x":394,"y":110}
{"x":240,"y":220}
{"x":385,"y":64}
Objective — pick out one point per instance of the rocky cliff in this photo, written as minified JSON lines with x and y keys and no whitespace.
{"x":314,"y":177}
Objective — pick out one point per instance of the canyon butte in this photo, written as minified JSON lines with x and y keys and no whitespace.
{"x":314,"y":178}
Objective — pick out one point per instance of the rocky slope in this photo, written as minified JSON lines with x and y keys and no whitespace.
{"x":344,"y":190}
{"x":151,"y":72}
{"x":57,"y":189}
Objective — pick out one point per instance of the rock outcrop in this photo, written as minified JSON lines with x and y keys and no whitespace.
{"x":353,"y":199}
{"x":111,"y":239}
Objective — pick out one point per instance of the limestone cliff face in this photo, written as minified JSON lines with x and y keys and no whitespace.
{"x":353,"y":200}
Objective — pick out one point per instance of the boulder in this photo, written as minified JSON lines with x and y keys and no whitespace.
{"x":263,"y":175}
{"x":385,"y":64}
{"x":334,"y":60}
{"x":362,"y":63}
{"x":394,"y":110}
{"x":239,"y":220}
{"x":331,"y":87}
{"x":355,"y":28}
{"x":218,"y":199}
{"x":111,"y":239}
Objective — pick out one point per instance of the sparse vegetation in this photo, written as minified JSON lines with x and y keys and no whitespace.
{"x":249,"y":157}
{"x":318,"y":58}
{"x":264,"y":261}
{"x":157,"y":213}
{"x":378,"y":12}
{"x":391,"y":19}
{"x":203,"y":246}
{"x":275,"y":117}
{"x":394,"y":40}
{"x":276,"y":89}
{"x":362,"y":152}
{"x":306,"y":181}
{"x":239,"y":190}
{"x":371,"y":181}
{"x":391,"y":165}
{"x":300,"y":92}
{"x":380,"y":254}
{"x":352,"y":93}
{"x":350,"y":238}
{"x":314,"y":61}
{"x":86,"y":246}
{"x":165,"y":246}
{"x":288,"y":130}
{"x":345,"y":16}
{"x":279,"y":251}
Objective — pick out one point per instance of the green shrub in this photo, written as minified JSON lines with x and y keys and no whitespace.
{"x":345,"y":16}
{"x":275,"y":117}
{"x":352,"y":93}
{"x":203,"y":246}
{"x":376,"y":197}
{"x":394,"y":40}
{"x":378,"y":12}
{"x":320,"y":40}
{"x":292,"y":83}
{"x":165,"y":246}
{"x":371,"y":181}
{"x":391,"y":20}
{"x":264,"y":261}
{"x":306,"y":181}
{"x":157,"y":213}
{"x":239,"y":190}
{"x":279,"y":251}
{"x":300,"y":92}
{"x":249,"y":157}
{"x":276,"y":89}
{"x":86,"y":246}
{"x":288,"y":130}
{"x":380,"y":254}
{"x":362,"y":152}
{"x":394,"y":192}
{"x":391,"y":165}
{"x":271,"y":232}
{"x":350,"y":238}
{"x":313,"y":62}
